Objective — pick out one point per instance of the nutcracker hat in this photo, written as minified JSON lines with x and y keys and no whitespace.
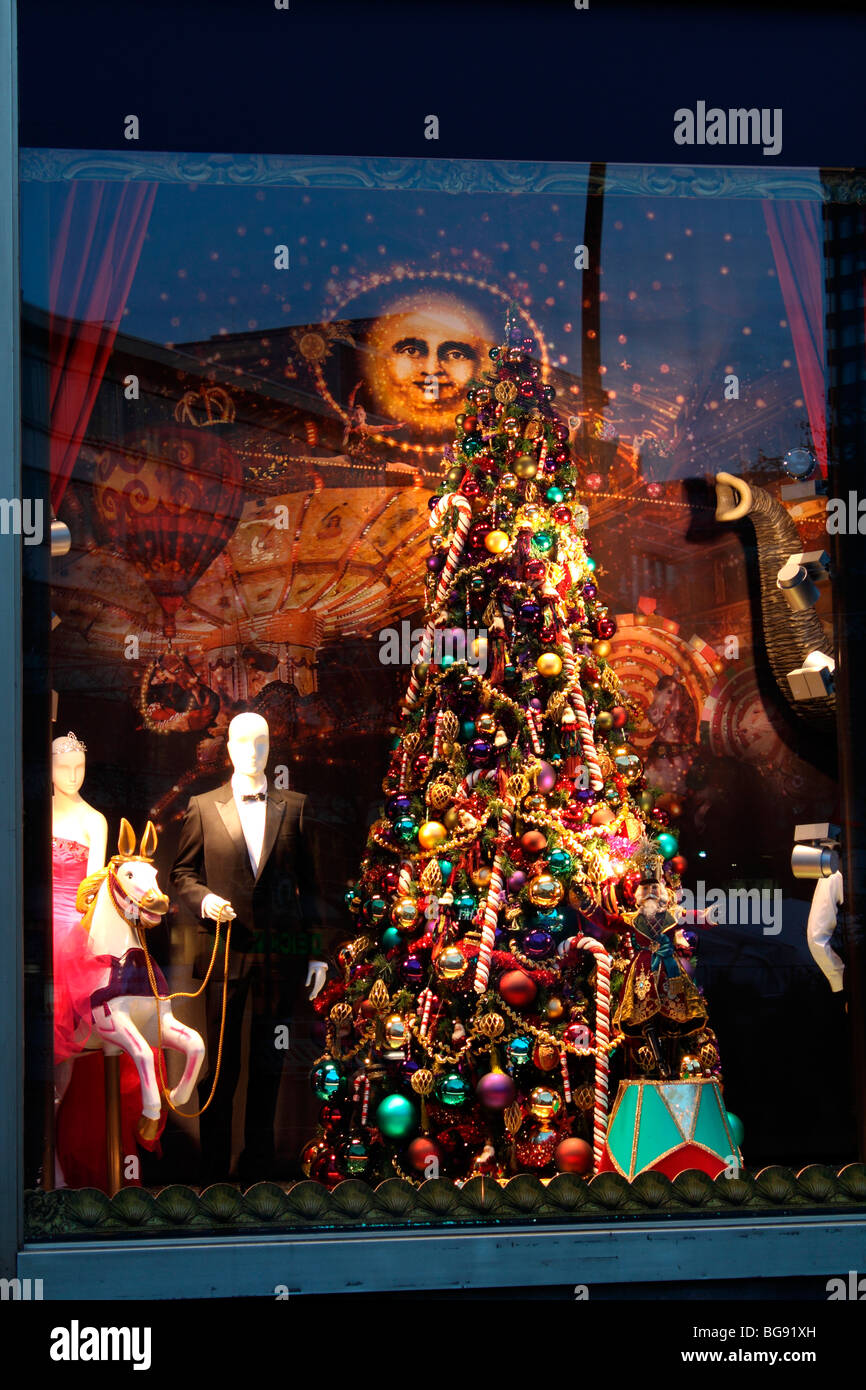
{"x":649,"y":863}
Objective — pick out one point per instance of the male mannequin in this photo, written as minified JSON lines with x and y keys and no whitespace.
{"x":252,"y":859}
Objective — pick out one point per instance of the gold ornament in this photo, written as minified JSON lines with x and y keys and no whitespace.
{"x":431,"y":877}
{"x":601,"y":649}
{"x":396,"y":1032}
{"x":545,"y":891}
{"x":689,"y":1066}
{"x":432,"y":834}
{"x":545,"y":1055}
{"x":404,"y":914}
{"x":485,"y":725}
{"x":450,"y":964}
{"x":549,"y":664}
{"x":481,"y":876}
{"x":490,"y":1025}
{"x":341,"y":1014}
{"x":555,"y":1009}
{"x":544,"y":1103}
{"x":379,"y":997}
{"x":535,"y":804}
{"x":627,"y":762}
{"x":508,"y":482}
{"x":505,"y":392}
{"x":584,"y":1098}
{"x":645,"y":1058}
{"x":497,"y":542}
{"x":438,"y":795}
{"x":451,"y":818}
{"x":526,"y":467}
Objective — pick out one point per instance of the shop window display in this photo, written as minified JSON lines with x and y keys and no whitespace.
{"x":451,"y":652}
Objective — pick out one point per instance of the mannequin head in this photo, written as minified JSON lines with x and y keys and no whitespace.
{"x":248,"y":744}
{"x":67,"y":764}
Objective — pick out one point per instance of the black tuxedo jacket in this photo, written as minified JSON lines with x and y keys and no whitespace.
{"x":278,"y":909}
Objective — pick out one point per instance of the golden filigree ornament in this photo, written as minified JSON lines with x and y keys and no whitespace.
{"x":505,"y":392}
{"x":379,"y":997}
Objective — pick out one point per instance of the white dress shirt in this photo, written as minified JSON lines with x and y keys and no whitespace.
{"x":252,"y":816}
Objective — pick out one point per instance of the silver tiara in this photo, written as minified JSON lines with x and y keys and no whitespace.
{"x":69,"y":744}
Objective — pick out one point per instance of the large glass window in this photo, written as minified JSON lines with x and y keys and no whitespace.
{"x":432,"y":680}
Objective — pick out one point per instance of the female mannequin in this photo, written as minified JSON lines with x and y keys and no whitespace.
{"x":79,"y":836}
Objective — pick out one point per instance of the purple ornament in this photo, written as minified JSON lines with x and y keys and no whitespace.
{"x":436,"y":563}
{"x":516,"y":881}
{"x":413,"y":970}
{"x":537,"y":944}
{"x":479,"y":750}
{"x":399,"y":805}
{"x":535,"y":703}
{"x":546,"y":777}
{"x":496,"y":1090}
{"x":590,"y":590}
{"x":530,"y":612}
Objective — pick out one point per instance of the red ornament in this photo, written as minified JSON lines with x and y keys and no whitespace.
{"x":602,"y":815}
{"x":573,"y":1156}
{"x":517,"y":989}
{"x":470,"y":423}
{"x":423,"y":1152}
{"x":533,"y":841}
{"x":593,"y":481}
{"x":619,"y":715}
{"x":679,"y":864}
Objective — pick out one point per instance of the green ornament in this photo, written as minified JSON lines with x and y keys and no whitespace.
{"x":327,"y":1080}
{"x":510,"y":673}
{"x":519,"y":1052}
{"x":667,"y":843}
{"x":354,"y":901}
{"x":542,"y":542}
{"x":590,"y":564}
{"x":465,"y":904}
{"x":357,"y":1157}
{"x":467,"y":686}
{"x":559,"y":861}
{"x":405,"y":829}
{"x":390,"y":938}
{"x":452,"y":1089}
{"x":554,"y":495}
{"x":376,"y":909}
{"x":467,"y":729}
{"x":445,"y":867}
{"x":396,"y":1117}
{"x":454,"y":477}
{"x":471,"y":446}
{"x":646,"y":801}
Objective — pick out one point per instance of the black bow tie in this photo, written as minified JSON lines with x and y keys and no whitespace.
{"x":256,"y":796}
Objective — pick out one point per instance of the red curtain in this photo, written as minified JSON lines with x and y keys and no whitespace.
{"x":795,"y":231}
{"x":93,"y":260}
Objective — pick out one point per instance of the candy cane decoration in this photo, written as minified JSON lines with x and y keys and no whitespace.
{"x":464,"y":521}
{"x":477,"y":776}
{"x":584,"y":728}
{"x":437,"y":736}
{"x":566,"y":1080}
{"x":404,"y":882}
{"x":602,"y":1042}
{"x":365,"y":1104}
{"x":495,"y":895}
{"x":427,"y":997}
{"x":531,"y":716}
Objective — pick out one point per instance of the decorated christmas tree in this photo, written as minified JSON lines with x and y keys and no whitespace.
{"x":514,"y":941}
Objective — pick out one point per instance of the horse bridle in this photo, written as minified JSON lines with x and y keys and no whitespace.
{"x":125,"y":906}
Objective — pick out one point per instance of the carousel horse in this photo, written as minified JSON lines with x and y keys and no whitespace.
{"x":119,"y":902}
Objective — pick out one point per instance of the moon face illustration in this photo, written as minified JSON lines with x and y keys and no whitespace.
{"x":420,"y":355}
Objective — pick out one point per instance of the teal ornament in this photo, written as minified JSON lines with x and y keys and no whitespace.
{"x":452,"y":1089}
{"x":467,"y":729}
{"x":356,"y":1157}
{"x":446,"y":660}
{"x":667,"y":843}
{"x":327,"y":1080}
{"x":353,"y":899}
{"x":471,"y":446}
{"x":376,"y":909}
{"x":737,"y":1128}
{"x":519,"y":1052}
{"x":465,"y":904}
{"x":542,"y":542}
{"x":559,"y":861}
{"x":405,"y":829}
{"x":390,"y":938}
{"x":550,"y":921}
{"x":590,"y":564}
{"x":445,"y":868}
{"x":396,"y":1117}
{"x":554,"y":495}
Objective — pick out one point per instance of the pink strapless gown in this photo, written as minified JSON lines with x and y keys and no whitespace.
{"x":78,"y":971}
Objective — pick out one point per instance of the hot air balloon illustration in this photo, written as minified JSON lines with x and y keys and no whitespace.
{"x":169,"y":498}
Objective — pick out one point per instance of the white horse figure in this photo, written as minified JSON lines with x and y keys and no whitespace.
{"x":118,"y":902}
